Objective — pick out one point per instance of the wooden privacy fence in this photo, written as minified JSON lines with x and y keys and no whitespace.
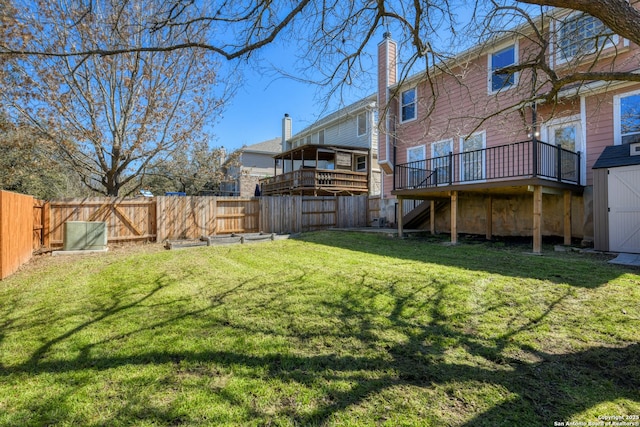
{"x":192,"y":217}
{"x":179,"y":217}
{"x":16,"y":231}
{"x":294,"y":214}
{"x":126,"y":219}
{"x":176,"y":217}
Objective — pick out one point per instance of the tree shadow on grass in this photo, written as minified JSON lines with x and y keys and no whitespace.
{"x":544,"y":387}
{"x":580,"y":270}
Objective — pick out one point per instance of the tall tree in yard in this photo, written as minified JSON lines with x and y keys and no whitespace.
{"x":113,"y":115}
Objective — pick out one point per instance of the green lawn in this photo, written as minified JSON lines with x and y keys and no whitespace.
{"x":327,"y":329}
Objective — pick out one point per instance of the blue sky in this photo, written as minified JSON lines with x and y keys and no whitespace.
{"x":254,"y":114}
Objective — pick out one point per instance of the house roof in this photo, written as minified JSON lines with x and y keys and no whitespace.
{"x":351,"y":109}
{"x":271,"y":146}
{"x":321,"y":152}
{"x":616,"y":156}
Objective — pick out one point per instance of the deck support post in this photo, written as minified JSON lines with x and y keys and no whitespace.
{"x":454,"y":217}
{"x":489,"y":217}
{"x":567,"y":217}
{"x":537,"y":219}
{"x":400,"y":215}
{"x":432,"y":216}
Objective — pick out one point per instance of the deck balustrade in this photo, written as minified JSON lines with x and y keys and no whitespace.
{"x":316,"y":181}
{"x":527,"y":159}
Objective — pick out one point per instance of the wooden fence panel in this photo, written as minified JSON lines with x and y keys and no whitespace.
{"x":181,"y":217}
{"x":235,"y":215}
{"x":281,"y":214}
{"x":373,"y":209}
{"x":16,"y":231}
{"x":294,"y":214}
{"x":353,"y":211}
{"x":318,"y":213}
{"x":126,"y":219}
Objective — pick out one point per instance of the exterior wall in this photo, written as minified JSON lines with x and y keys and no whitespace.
{"x":453,"y":105}
{"x":255,"y":166}
{"x":342,"y":132}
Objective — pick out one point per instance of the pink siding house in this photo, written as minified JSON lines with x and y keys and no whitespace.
{"x":465,"y":150}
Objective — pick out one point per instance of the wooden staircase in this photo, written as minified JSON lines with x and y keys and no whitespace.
{"x":417,"y":217}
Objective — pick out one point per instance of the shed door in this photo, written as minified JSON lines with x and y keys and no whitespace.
{"x":624,"y":209}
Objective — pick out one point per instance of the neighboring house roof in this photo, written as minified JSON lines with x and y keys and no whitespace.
{"x":339,"y":114}
{"x":271,"y":146}
{"x":616,"y":156}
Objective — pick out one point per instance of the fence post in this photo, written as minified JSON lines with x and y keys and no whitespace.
{"x":46,"y":224}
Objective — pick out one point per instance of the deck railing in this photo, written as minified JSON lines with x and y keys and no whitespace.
{"x":333,"y":181}
{"x":517,"y":160}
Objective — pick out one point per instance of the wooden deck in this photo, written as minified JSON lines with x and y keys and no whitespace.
{"x":316,"y":182}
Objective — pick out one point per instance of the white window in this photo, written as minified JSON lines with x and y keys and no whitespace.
{"x":626,"y":115}
{"x":408,"y":105}
{"x":417,"y":169}
{"x":361,"y":163}
{"x":321,"y":137}
{"x":440,"y":160}
{"x":472,"y":159}
{"x":308,"y":139}
{"x":500,"y":59}
{"x":581,"y":34}
{"x":362,"y":124}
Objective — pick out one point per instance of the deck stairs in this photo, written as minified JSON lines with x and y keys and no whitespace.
{"x":419,"y":213}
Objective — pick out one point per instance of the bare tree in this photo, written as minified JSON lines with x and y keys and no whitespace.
{"x":333,"y":38}
{"x":332,"y":35}
{"x":113,"y":115}
{"x":199,"y":169}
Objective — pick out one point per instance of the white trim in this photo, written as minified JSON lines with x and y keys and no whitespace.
{"x":449,"y":142}
{"x":557,"y":54}
{"x":583,"y":154}
{"x":414,"y":148}
{"x":575,"y":118}
{"x":516,"y":59}
{"x":415,"y":103}
{"x":617,"y":134}
{"x":461,"y":151}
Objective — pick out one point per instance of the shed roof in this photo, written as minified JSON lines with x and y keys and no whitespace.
{"x":617,"y":155}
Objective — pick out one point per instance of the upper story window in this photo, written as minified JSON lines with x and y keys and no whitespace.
{"x":627,"y":118}
{"x":321,"y":137}
{"x":408,"y":105}
{"x":361,"y":163}
{"x":581,"y":34}
{"x":362,"y":124}
{"x":500,"y":59}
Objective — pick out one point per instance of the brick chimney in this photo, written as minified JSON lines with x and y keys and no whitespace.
{"x":387,"y":75}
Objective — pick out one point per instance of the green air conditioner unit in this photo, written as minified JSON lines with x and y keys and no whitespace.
{"x":85,"y":235}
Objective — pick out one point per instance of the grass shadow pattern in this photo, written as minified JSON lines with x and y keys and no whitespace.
{"x":347,"y":330}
